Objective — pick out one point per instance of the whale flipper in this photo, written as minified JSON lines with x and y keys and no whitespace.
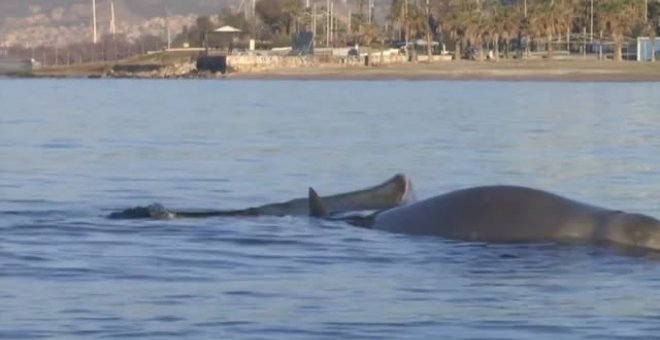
{"x":316,"y":206}
{"x":394,"y":192}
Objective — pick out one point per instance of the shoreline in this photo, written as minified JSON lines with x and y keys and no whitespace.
{"x":538,"y":70}
{"x":504,"y":70}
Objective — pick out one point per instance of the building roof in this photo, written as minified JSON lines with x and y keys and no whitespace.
{"x":226,"y":29}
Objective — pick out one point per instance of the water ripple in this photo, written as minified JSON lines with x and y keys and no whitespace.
{"x":67,"y":272}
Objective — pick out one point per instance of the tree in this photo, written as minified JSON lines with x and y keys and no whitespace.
{"x":235,"y":19}
{"x":271,"y":14}
{"x":653,"y":26}
{"x":429,"y":32}
{"x":619,"y":17}
{"x":368,"y":34}
{"x":399,"y":15}
{"x":204,"y":23}
{"x":507,"y":25}
{"x":548,"y":20}
{"x":650,"y":30}
{"x":292,"y":11}
{"x":418,"y":24}
{"x":457,"y":20}
{"x":495,"y":26}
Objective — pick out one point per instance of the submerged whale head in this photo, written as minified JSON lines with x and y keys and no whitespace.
{"x":632,"y":230}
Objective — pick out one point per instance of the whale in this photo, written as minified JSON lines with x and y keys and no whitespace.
{"x":508,"y":214}
{"x":393,"y":192}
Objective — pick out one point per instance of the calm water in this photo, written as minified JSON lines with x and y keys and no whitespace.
{"x":72,"y":151}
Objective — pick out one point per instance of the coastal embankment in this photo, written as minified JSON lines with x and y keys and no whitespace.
{"x":514,"y":70}
{"x":306,"y":68}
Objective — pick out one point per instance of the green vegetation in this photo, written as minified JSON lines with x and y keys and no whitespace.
{"x":501,"y":26}
{"x":546,"y":24}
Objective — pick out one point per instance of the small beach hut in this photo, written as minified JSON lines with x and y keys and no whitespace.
{"x":223,"y":37}
{"x":646,"y":48}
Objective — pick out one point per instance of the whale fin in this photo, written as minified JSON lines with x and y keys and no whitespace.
{"x":316,"y":206}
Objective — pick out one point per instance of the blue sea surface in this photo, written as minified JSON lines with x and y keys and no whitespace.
{"x":72,"y":151}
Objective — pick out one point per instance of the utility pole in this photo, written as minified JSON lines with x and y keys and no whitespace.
{"x":327,"y":23}
{"x":314,"y":22}
{"x":94,"y":20}
{"x":113,"y":27}
{"x":646,"y":10}
{"x":527,"y":47}
{"x":169,"y":34}
{"x":332,"y":21}
{"x":370,"y":9}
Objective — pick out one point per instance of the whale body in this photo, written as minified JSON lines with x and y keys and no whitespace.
{"x":511,"y":214}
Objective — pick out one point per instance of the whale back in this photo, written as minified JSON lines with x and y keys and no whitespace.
{"x":495,"y":214}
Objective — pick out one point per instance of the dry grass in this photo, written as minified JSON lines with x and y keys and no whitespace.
{"x":77,"y":70}
{"x":161,"y":58}
{"x":100,"y":68}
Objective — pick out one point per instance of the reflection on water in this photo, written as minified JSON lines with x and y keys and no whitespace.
{"x":73,"y":150}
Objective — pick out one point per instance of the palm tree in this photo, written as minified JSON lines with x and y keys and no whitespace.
{"x":418,"y":24}
{"x":476,"y":30}
{"x":547,"y":20}
{"x":512,"y":18}
{"x":500,"y":24}
{"x":619,"y":17}
{"x":456,"y":27}
{"x":458,"y":21}
{"x":399,"y":15}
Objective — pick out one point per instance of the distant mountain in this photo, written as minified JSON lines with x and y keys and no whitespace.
{"x":134,"y":8}
{"x":61,"y":22}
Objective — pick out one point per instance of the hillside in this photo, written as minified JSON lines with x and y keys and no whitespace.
{"x":61,"y":22}
{"x":134,"y":8}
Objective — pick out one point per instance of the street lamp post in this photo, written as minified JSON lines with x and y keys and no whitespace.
{"x":94,"y":20}
{"x":591,"y":39}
